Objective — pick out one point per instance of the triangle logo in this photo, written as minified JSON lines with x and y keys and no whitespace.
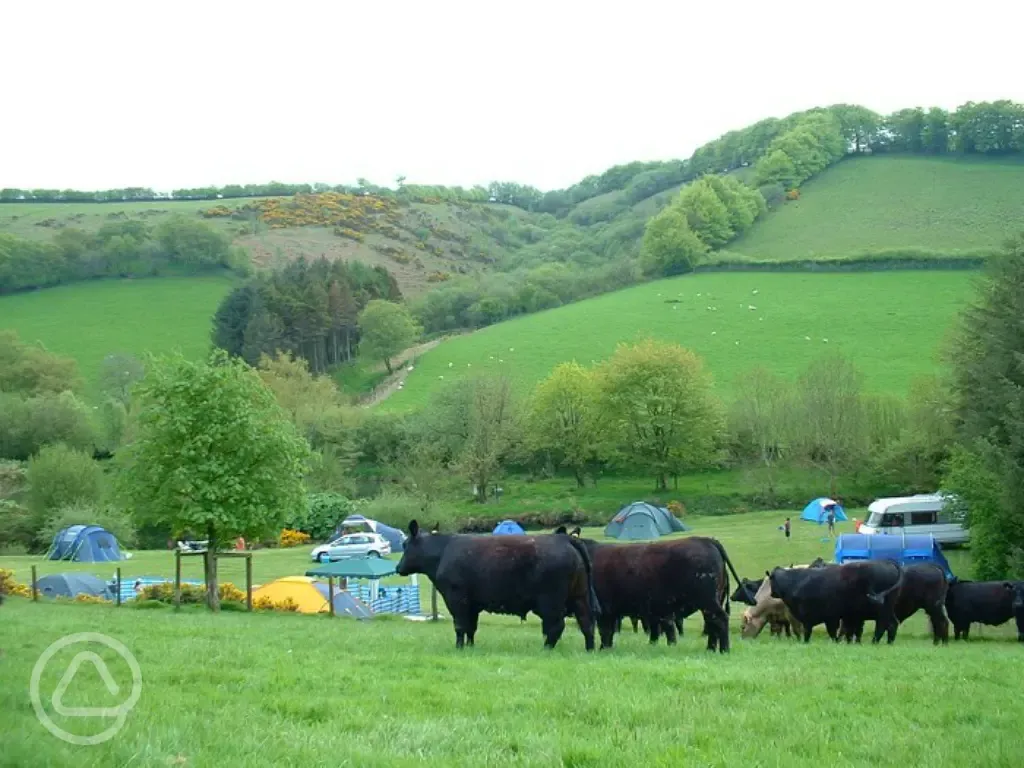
{"x":69,"y":675}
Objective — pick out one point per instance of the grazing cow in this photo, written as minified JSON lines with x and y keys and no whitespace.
{"x":746,"y":591}
{"x":1018,"y":608}
{"x":827,"y":595}
{"x":768,"y":610}
{"x":661,"y":582}
{"x":924,"y":588}
{"x":549,"y":574}
{"x":979,"y":602}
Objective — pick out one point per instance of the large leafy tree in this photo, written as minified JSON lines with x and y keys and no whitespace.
{"x":565,"y":420}
{"x":387,"y":329}
{"x":670,"y":247}
{"x":988,"y":363}
{"x":661,"y":411}
{"x":214,"y":454}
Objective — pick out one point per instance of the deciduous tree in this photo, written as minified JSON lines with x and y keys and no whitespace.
{"x":214,"y":454}
{"x":565,"y":418}
{"x":387,"y":329}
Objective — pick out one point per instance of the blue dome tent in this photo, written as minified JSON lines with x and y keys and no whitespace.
{"x":817,"y":511}
{"x":508,"y":528}
{"x":85,"y":544}
{"x":905,"y":549}
{"x":73,"y":584}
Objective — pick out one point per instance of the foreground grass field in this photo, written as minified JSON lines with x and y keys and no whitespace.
{"x":890,"y":324}
{"x":871,"y":203}
{"x":270,"y":689}
{"x":89,"y":321}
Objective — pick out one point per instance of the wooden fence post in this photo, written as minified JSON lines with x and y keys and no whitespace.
{"x":35,"y":587}
{"x":330,"y":593}
{"x":248,"y":582}
{"x":433,"y":601}
{"x":118,"y":598}
{"x":177,"y":578}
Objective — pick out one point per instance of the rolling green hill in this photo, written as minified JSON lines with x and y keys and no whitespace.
{"x":891,"y":324}
{"x":88,"y":321}
{"x":863,"y":204}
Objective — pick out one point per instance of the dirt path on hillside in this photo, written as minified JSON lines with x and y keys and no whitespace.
{"x":389,"y":386}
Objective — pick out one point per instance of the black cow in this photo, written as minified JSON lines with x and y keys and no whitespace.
{"x":979,"y":602}
{"x":924,"y":588}
{"x":1018,"y":608}
{"x":746,"y":590}
{"x":549,"y":575}
{"x":661,"y":582}
{"x":830,"y":594}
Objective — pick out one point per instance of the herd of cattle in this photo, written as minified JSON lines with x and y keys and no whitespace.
{"x":657,"y":585}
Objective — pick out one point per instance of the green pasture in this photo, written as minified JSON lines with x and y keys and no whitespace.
{"x":865,"y":204}
{"x":891,"y":324}
{"x":88,"y":321}
{"x":274,"y":689}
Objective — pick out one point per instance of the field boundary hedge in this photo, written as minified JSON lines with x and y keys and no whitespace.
{"x":868,"y":261}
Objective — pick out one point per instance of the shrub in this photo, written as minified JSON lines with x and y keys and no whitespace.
{"x":60,"y":477}
{"x":84,"y":598}
{"x":265,"y":603}
{"x":8,"y":586}
{"x":229,"y":591}
{"x":677,"y":508}
{"x":793,"y":194}
{"x":291,"y":538}
{"x":164,"y":593}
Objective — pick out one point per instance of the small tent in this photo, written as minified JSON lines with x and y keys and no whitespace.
{"x":85,"y":544}
{"x":508,"y":528}
{"x":640,"y":520}
{"x":817,"y":511}
{"x":73,"y":584}
{"x":312,"y":597}
{"x":357,"y":522}
{"x":906,"y":549}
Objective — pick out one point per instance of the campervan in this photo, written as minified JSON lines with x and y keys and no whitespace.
{"x":923,"y":513}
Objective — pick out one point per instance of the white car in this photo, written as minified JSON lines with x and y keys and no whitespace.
{"x":352,"y":545}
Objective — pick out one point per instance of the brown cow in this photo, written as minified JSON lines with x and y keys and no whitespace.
{"x":768,"y":610}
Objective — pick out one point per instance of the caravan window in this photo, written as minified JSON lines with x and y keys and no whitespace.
{"x":924,"y":518}
{"x":892,"y":520}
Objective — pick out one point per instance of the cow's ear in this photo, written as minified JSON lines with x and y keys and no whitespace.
{"x":561,"y":529}
{"x":767,"y":574}
{"x":436,"y":528}
{"x":414,"y":529}
{"x":1008,"y":586}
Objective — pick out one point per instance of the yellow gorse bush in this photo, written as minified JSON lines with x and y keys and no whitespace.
{"x":8,"y":586}
{"x":290,"y":538}
{"x":265,"y":603}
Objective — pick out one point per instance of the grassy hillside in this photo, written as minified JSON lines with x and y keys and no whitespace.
{"x":506,"y":701}
{"x":88,"y":321}
{"x":890,"y":323}
{"x":872,"y":203}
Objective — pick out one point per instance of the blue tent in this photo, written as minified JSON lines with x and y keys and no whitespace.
{"x":640,"y":521}
{"x":85,"y":544}
{"x":817,"y":511}
{"x":508,"y":528}
{"x":906,"y":549}
{"x":72,"y":584}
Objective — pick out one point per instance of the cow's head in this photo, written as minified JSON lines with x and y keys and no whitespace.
{"x":1016,"y":589}
{"x":421,"y":551}
{"x":745,"y":591}
{"x":778,"y":578}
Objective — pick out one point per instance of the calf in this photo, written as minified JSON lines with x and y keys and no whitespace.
{"x":831,"y":593}
{"x":979,"y":602}
{"x":924,"y":588}
{"x":550,"y":575}
{"x":768,"y":610}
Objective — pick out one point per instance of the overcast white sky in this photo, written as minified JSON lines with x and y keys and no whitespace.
{"x":108,"y":94}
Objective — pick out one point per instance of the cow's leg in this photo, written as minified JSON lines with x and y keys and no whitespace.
{"x":551,"y":609}
{"x":634,"y":621}
{"x":585,"y":620}
{"x":832,"y":627}
{"x":670,"y":632}
{"x":472,"y":620}
{"x":785,"y":626}
{"x":808,"y":628}
{"x":940,"y":625}
{"x":606,"y":624}
{"x":653,"y":624}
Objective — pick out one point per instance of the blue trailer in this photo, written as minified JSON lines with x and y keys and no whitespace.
{"x":905,"y":549}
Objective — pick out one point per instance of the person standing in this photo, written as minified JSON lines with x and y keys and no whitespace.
{"x":786,"y":528}
{"x":832,"y":520}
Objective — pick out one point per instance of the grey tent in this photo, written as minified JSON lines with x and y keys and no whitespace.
{"x":72,"y":584}
{"x":640,"y":520}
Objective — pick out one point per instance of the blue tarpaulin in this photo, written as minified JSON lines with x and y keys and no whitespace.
{"x":906,"y":549}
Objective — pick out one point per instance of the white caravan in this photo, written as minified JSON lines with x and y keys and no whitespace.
{"x":923,"y":513}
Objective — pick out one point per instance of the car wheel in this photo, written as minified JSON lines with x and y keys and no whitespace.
{"x":373,"y":554}
{"x":323,"y":557}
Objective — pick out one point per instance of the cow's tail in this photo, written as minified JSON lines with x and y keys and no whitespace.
{"x":879,"y":597}
{"x":579,"y":546}
{"x":739,"y":581}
